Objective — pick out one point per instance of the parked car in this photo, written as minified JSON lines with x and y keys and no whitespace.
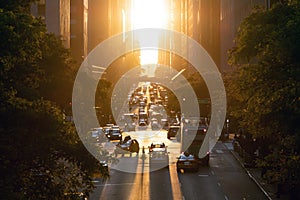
{"x":187,"y":161}
{"x":94,"y":134}
{"x":98,"y":135}
{"x":105,"y":166}
{"x":128,"y":145}
{"x":106,"y":130}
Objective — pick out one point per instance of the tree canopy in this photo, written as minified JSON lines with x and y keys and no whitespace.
{"x":263,"y":89}
{"x":41,"y":153}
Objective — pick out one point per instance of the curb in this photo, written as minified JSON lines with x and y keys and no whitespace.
{"x":249,"y":174}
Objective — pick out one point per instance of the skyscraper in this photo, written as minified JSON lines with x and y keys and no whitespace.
{"x":56,"y":14}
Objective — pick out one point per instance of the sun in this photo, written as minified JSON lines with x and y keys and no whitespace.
{"x":149,"y":14}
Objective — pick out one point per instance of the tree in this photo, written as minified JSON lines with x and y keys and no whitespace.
{"x":41,"y":153}
{"x":263,"y":89}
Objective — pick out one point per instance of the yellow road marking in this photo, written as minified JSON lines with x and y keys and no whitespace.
{"x":176,"y":189}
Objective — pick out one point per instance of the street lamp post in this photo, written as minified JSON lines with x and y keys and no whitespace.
{"x":227,"y":128}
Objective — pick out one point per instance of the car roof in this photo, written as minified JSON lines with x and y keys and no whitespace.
{"x":157,"y":144}
{"x":187,"y":154}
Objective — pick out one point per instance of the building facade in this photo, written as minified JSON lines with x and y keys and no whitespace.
{"x":56,"y":14}
{"x":79,"y":29}
{"x":97,"y":22}
{"x":83,"y":24}
{"x":232,"y":12}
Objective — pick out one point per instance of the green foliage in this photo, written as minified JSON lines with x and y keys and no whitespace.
{"x":42,"y":156}
{"x":103,"y":102}
{"x":16,"y":5}
{"x":263,"y":89}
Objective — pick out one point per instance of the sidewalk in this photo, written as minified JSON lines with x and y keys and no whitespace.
{"x":255,"y":174}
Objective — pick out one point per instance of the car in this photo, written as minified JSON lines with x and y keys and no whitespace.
{"x":98,"y":135}
{"x":130,"y":126}
{"x":104,"y":164}
{"x":158,"y":156}
{"x":142,"y":104}
{"x":158,"y":159}
{"x":187,"y":161}
{"x":128,"y":145}
{"x":173,"y":131}
{"x":157,"y":145}
{"x":196,"y":129}
{"x":114,"y":134}
{"x":144,"y":116}
{"x":141,"y":109}
{"x":165,"y":124}
{"x":94,"y":134}
{"x":106,"y":130}
{"x":110,"y":125}
{"x":142,"y":123}
{"x":154,"y":124}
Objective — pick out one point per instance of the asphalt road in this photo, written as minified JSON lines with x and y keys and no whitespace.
{"x":133,"y":179}
{"x":223,"y":179}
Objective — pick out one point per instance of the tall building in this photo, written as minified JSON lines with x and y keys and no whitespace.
{"x":212,"y":23}
{"x":208,"y":28}
{"x":79,"y":29}
{"x":56,"y":14}
{"x":232,"y":13}
{"x":97,"y":22}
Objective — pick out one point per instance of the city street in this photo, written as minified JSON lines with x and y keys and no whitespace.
{"x":150,"y":100}
{"x":132,"y":176}
{"x":223,"y":179}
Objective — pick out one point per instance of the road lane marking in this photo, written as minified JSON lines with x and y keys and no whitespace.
{"x":176,"y":190}
{"x":113,"y":184}
{"x":140,"y":189}
{"x":219,"y":151}
{"x":203,"y":175}
{"x":219,"y":184}
{"x":226,"y":198}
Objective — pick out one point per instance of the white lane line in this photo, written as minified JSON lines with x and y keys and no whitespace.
{"x":203,"y":175}
{"x":113,"y":184}
{"x":219,"y":184}
{"x":219,"y":151}
{"x":226,"y":198}
{"x":212,"y":172}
